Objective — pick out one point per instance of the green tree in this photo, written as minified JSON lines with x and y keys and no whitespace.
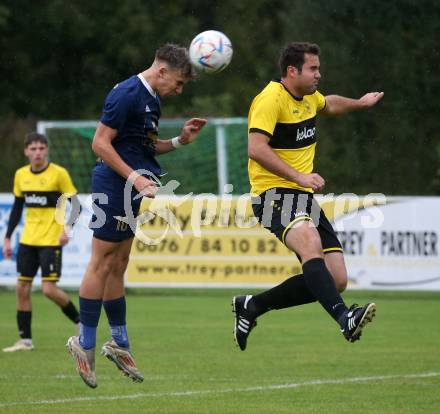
{"x":60,"y":58}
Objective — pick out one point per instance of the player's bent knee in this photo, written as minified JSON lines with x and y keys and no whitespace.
{"x":304,"y":242}
{"x":123,"y":262}
{"x":120,"y":267}
{"x":103,"y":267}
{"x":48,"y":289}
{"x":309,"y":251}
{"x":340,"y":281}
{"x":341,"y":285}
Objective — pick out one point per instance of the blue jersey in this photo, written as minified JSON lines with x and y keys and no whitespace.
{"x":133,"y":109}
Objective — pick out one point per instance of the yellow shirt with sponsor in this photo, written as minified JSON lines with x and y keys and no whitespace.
{"x":290,"y":124}
{"x":41,"y":191}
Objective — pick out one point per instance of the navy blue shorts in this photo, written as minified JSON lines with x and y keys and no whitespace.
{"x":114,"y":219}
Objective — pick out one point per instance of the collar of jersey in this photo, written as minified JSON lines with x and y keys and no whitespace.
{"x":284,"y":86}
{"x":147,"y":85}
{"x":41,"y":171}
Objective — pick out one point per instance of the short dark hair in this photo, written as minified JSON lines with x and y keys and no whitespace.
{"x":35,"y":137}
{"x":176,"y":57}
{"x":293,"y":55}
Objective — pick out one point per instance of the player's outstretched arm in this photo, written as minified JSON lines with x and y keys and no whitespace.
{"x":338,"y":105}
{"x":191,"y":129}
{"x":189,"y":133}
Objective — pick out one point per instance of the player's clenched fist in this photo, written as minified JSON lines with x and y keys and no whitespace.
{"x":145,"y":186}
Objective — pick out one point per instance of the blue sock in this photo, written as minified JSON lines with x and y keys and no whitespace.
{"x":89,"y":313}
{"x":116,"y":311}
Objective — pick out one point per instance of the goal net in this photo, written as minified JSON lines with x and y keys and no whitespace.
{"x":218,"y":157}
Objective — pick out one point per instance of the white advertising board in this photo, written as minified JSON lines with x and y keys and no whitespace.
{"x":76,"y":253}
{"x":394,"y":246}
{"x":391,"y":243}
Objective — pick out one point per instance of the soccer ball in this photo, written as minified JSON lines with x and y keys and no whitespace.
{"x":210,"y":51}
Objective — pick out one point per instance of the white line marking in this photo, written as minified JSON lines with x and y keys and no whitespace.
{"x":224,"y":391}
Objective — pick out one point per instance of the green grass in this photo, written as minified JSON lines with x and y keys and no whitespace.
{"x":182,"y":340}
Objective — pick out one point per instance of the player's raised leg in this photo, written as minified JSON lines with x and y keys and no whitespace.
{"x":357,"y":317}
{"x":50,"y":259}
{"x":117,"y":349}
{"x":61,"y":298}
{"x":91,"y":293}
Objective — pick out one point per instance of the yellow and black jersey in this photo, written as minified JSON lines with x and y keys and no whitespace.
{"x":41,"y":191}
{"x":289,"y":123}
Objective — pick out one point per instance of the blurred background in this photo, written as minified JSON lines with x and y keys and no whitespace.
{"x":60,"y":58}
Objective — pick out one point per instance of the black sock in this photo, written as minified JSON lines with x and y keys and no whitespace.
{"x":292,"y":292}
{"x":24,"y":319}
{"x":71,"y":312}
{"x":320,"y":282}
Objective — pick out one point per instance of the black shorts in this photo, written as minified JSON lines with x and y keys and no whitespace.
{"x":30,"y":258}
{"x":279,"y":209}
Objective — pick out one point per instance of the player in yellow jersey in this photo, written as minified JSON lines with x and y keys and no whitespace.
{"x":38,"y":186}
{"x":281,"y":147}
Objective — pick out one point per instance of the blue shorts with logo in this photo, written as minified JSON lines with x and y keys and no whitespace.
{"x":113,"y":219}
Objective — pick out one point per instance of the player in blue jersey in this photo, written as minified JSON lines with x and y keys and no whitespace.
{"x":127,"y":143}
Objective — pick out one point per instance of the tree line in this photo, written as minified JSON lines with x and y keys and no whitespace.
{"x":60,"y":58}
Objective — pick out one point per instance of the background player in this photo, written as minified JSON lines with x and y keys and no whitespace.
{"x":38,"y":187}
{"x":282,"y":141}
{"x":126,"y":141}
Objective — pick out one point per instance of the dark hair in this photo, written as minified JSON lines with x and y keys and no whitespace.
{"x":293,"y":55}
{"x":176,"y":57}
{"x":35,"y":137}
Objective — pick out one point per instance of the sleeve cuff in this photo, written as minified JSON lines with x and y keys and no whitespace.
{"x":260,"y":131}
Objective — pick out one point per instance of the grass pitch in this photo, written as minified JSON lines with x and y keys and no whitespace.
{"x":296,"y":361}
